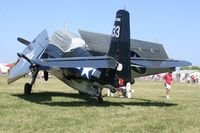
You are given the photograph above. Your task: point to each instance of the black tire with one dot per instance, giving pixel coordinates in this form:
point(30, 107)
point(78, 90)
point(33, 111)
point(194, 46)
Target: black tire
point(113, 90)
point(123, 92)
point(27, 88)
point(133, 81)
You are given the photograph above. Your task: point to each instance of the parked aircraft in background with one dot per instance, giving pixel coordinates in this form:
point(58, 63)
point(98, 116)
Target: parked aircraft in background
point(93, 61)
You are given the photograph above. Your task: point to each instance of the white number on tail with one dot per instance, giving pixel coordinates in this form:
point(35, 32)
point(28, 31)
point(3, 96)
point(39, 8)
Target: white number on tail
point(116, 31)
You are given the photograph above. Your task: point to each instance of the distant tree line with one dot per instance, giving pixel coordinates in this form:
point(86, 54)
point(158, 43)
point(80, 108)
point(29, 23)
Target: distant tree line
point(190, 68)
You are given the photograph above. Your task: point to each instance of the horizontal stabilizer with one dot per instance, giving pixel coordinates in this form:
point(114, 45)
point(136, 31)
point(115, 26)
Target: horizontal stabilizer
point(94, 62)
point(158, 63)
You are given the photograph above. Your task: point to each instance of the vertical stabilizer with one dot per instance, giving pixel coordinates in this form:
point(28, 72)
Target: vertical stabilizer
point(120, 44)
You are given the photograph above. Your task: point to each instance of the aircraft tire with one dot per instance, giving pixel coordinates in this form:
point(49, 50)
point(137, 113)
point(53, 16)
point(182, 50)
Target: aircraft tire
point(27, 88)
point(133, 81)
point(124, 93)
point(113, 90)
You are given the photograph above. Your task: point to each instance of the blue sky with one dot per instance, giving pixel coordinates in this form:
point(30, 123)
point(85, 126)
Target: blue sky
point(175, 24)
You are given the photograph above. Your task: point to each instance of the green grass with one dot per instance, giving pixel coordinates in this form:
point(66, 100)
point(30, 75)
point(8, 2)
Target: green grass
point(54, 107)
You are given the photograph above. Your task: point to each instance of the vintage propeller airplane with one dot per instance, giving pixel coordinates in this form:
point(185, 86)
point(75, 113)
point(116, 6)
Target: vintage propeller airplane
point(93, 61)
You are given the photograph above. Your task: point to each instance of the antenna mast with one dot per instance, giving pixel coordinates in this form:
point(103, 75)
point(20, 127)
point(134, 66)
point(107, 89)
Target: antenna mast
point(124, 5)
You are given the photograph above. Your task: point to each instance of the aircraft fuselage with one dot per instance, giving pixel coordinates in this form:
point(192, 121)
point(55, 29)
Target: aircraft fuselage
point(87, 79)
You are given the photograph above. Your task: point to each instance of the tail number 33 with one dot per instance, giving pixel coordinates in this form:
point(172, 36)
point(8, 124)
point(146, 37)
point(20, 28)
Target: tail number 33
point(116, 31)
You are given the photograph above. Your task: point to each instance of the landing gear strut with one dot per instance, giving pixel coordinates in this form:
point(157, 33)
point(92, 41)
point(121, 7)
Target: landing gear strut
point(28, 86)
point(99, 98)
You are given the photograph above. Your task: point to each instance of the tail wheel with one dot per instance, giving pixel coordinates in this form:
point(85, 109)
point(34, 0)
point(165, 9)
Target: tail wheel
point(27, 88)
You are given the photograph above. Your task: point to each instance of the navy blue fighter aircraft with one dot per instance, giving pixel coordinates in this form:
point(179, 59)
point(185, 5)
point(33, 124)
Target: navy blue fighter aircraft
point(93, 61)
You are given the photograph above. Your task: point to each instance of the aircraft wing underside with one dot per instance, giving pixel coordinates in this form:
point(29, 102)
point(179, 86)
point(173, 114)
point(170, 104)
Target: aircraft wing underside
point(158, 63)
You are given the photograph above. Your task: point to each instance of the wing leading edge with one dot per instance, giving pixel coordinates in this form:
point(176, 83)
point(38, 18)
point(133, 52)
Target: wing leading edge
point(72, 62)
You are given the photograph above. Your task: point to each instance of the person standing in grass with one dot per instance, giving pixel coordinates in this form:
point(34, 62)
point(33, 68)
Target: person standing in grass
point(168, 83)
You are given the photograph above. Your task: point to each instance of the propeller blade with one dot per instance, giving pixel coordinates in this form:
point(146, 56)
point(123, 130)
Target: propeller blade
point(23, 41)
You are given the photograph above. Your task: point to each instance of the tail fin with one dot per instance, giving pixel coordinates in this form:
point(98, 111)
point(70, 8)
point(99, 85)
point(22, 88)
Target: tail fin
point(120, 44)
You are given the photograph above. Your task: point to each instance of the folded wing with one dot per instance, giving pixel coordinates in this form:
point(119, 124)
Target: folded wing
point(158, 63)
point(33, 51)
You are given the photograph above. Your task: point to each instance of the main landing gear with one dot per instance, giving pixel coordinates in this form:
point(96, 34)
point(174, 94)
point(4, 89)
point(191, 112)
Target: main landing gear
point(28, 86)
point(99, 98)
point(97, 91)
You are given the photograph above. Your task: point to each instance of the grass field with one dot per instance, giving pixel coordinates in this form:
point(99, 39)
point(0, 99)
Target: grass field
point(54, 107)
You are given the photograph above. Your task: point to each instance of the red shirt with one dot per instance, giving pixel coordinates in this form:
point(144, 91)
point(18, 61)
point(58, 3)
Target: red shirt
point(168, 78)
point(193, 78)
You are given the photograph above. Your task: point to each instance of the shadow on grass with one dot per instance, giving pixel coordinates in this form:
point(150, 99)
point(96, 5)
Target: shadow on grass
point(77, 100)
